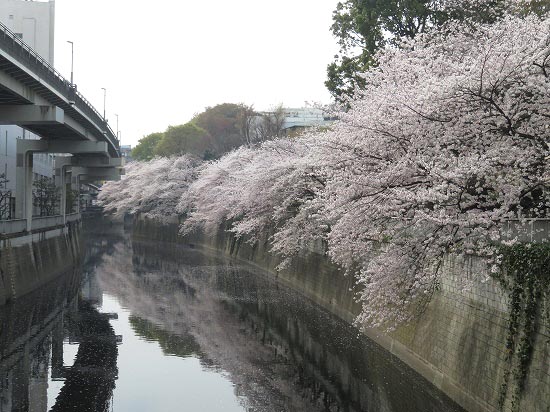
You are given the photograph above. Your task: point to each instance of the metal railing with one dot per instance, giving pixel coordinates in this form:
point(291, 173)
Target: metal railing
point(42, 223)
point(24, 54)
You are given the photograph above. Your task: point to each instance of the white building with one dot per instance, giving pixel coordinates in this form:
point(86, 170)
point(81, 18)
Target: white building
point(300, 118)
point(33, 22)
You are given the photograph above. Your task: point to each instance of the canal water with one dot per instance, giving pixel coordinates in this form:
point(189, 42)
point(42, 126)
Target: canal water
point(151, 326)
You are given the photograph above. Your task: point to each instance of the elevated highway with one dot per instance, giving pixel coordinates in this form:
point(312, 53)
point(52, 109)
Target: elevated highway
point(35, 96)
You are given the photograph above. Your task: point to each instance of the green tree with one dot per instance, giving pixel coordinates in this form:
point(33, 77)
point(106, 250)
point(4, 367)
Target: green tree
point(146, 146)
point(363, 27)
point(186, 138)
point(46, 196)
point(223, 123)
point(73, 196)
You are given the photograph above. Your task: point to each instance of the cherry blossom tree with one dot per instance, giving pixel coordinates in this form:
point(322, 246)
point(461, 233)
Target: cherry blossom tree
point(267, 188)
point(152, 188)
point(448, 140)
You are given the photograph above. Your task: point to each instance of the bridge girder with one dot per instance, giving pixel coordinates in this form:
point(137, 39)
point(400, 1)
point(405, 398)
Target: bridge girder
point(32, 82)
point(49, 122)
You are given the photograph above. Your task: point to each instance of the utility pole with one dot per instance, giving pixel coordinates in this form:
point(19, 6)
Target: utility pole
point(72, 60)
point(104, 101)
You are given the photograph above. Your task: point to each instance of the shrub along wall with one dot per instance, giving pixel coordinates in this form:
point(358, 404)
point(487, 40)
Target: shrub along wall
point(465, 342)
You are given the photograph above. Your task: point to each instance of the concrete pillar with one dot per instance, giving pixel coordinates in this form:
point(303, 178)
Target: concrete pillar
point(64, 195)
point(101, 168)
point(24, 177)
point(78, 189)
point(24, 180)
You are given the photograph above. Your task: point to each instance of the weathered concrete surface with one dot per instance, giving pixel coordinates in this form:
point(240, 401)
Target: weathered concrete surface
point(458, 343)
point(26, 267)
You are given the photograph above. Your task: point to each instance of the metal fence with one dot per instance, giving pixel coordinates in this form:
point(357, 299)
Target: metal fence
point(7, 204)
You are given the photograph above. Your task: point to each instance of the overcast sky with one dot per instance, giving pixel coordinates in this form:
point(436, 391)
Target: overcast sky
point(163, 61)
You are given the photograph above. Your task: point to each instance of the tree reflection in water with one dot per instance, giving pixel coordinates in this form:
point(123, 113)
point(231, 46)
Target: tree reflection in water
point(281, 351)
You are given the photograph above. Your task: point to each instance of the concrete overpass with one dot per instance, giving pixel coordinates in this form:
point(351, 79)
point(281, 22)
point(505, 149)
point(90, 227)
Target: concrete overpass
point(35, 96)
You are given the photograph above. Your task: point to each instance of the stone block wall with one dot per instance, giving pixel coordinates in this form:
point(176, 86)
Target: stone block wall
point(464, 332)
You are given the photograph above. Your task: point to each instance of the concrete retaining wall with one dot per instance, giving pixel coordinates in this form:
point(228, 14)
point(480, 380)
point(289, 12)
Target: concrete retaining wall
point(26, 267)
point(458, 343)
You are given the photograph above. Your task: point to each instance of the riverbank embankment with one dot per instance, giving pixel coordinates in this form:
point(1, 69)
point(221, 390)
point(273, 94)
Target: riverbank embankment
point(28, 266)
point(459, 343)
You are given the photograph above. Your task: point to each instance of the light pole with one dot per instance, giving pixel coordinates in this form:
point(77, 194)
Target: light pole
point(104, 100)
point(72, 60)
point(117, 127)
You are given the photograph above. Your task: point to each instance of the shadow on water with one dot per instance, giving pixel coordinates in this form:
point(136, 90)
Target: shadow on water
point(31, 335)
point(33, 330)
point(89, 383)
point(281, 351)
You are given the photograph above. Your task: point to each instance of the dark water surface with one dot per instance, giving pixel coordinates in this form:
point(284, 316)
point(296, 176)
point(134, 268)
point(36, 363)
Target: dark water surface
point(146, 326)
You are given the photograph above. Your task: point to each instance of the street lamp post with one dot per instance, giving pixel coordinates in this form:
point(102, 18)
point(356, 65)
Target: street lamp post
point(117, 127)
point(104, 101)
point(72, 60)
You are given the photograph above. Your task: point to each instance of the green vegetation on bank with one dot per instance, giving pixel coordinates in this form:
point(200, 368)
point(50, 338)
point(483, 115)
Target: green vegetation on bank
point(525, 277)
point(364, 27)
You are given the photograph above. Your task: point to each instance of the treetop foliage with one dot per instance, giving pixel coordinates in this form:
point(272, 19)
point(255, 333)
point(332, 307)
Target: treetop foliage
point(365, 27)
point(222, 122)
point(214, 132)
point(146, 147)
point(184, 139)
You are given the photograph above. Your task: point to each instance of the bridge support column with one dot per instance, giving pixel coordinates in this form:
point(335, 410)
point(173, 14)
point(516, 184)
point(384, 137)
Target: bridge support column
point(24, 177)
point(24, 180)
point(61, 180)
point(24, 173)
